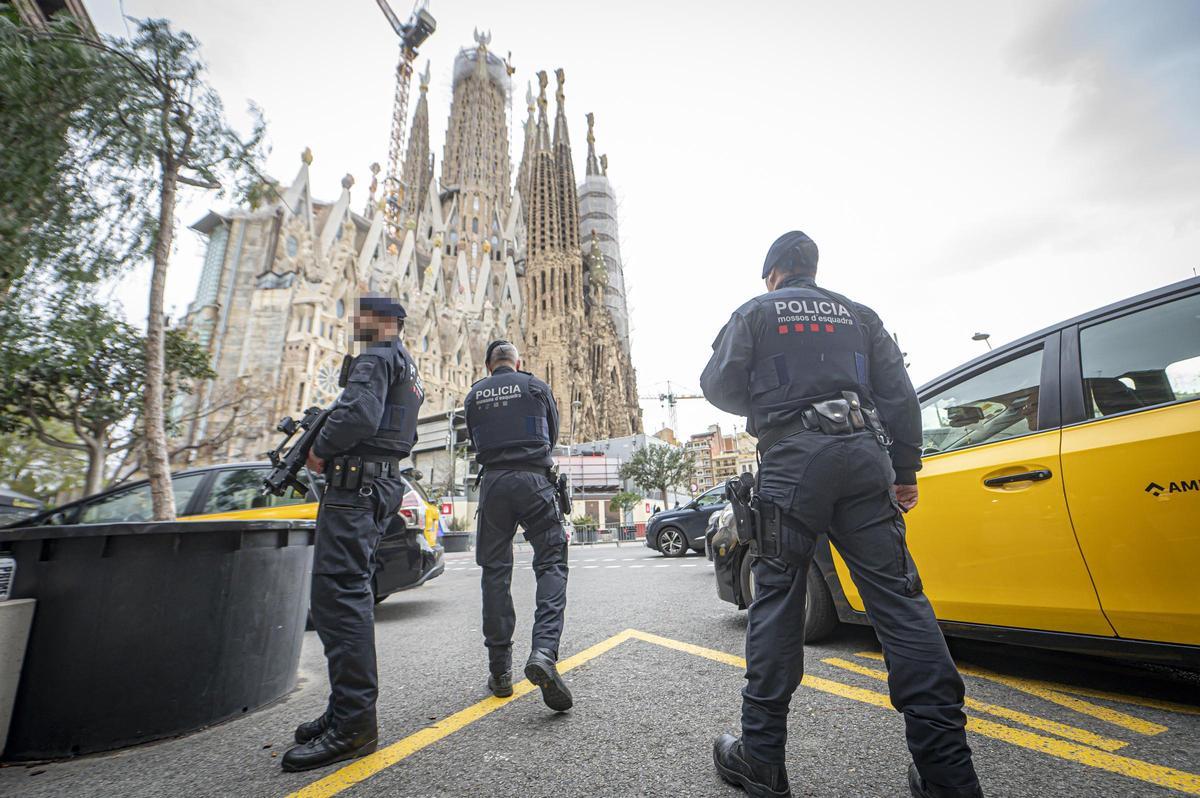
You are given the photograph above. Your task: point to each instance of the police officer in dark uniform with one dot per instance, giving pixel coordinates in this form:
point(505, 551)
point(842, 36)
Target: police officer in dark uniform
point(822, 385)
point(371, 427)
point(513, 422)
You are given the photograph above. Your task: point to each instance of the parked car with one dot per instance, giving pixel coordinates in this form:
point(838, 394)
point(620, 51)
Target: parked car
point(675, 532)
point(1060, 494)
point(408, 555)
point(15, 507)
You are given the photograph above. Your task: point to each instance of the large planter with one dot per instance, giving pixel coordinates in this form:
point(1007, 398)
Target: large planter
point(149, 630)
point(456, 541)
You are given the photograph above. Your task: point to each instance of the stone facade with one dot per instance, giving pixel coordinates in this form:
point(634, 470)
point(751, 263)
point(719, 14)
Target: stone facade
point(478, 259)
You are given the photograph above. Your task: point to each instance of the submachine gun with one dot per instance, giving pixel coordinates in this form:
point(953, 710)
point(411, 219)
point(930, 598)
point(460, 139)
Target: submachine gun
point(287, 464)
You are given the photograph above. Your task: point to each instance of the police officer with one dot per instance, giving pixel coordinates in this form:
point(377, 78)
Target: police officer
point(371, 427)
point(513, 422)
point(815, 374)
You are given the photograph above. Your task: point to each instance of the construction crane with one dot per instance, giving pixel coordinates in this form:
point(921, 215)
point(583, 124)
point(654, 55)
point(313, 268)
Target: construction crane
point(671, 400)
point(420, 26)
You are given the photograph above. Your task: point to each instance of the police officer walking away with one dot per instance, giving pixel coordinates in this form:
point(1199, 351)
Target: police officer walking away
point(815, 374)
point(513, 422)
point(370, 428)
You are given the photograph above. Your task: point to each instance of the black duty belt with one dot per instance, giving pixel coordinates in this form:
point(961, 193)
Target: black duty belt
point(352, 471)
point(843, 415)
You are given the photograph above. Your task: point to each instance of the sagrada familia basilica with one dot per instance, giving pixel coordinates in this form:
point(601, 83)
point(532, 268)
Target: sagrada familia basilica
point(477, 255)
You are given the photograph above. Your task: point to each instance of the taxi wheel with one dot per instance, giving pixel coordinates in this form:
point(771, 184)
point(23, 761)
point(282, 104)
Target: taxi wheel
point(672, 543)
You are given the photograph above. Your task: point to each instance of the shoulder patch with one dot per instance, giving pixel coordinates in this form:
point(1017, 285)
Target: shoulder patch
point(364, 367)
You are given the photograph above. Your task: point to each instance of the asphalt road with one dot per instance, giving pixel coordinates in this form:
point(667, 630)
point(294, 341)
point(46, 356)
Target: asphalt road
point(649, 702)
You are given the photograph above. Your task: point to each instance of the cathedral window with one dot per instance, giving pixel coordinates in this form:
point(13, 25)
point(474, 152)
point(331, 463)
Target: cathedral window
point(341, 308)
point(475, 225)
point(425, 343)
point(475, 205)
point(474, 250)
point(293, 246)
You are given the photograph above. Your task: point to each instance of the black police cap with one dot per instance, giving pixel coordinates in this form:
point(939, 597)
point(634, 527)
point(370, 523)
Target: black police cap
point(794, 252)
point(381, 306)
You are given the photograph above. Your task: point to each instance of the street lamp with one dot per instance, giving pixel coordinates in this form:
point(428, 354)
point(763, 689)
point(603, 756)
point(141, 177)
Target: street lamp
point(981, 336)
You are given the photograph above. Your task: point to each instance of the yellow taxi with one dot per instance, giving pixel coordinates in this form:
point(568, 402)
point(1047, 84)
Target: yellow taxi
point(409, 553)
point(237, 496)
point(1060, 493)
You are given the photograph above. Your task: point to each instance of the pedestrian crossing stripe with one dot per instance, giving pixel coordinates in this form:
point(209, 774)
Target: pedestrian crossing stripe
point(1069, 749)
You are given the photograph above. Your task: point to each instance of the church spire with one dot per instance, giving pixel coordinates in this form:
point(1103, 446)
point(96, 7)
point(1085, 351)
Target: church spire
point(418, 170)
point(593, 166)
point(523, 172)
point(568, 197)
point(544, 221)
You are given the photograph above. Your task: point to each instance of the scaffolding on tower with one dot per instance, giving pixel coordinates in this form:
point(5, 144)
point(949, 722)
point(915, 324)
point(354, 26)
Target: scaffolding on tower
point(420, 26)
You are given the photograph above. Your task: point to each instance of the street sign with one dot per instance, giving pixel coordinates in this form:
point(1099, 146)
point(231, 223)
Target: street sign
point(695, 487)
point(447, 508)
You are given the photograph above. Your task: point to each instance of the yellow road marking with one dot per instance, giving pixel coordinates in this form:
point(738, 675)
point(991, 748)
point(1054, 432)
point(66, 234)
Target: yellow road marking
point(1055, 693)
point(362, 769)
point(1073, 752)
point(1032, 721)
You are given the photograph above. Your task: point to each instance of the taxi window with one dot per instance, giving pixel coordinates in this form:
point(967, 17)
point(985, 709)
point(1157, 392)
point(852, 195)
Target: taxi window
point(241, 489)
point(1144, 359)
point(135, 504)
point(127, 505)
point(996, 405)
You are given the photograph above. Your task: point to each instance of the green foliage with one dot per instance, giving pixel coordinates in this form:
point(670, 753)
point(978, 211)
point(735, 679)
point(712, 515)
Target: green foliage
point(659, 468)
point(583, 520)
point(50, 473)
point(625, 500)
point(65, 210)
point(77, 367)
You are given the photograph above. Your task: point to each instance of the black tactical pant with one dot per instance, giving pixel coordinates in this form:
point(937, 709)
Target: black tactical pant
point(509, 498)
point(349, 525)
point(841, 484)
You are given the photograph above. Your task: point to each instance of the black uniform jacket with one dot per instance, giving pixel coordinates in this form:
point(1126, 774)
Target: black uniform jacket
point(727, 377)
point(356, 418)
point(535, 454)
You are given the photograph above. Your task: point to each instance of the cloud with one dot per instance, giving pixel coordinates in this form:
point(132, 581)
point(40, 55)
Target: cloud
point(1133, 70)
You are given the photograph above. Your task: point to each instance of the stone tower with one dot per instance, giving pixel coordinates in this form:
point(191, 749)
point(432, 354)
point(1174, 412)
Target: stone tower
point(570, 336)
point(418, 161)
point(475, 163)
point(598, 215)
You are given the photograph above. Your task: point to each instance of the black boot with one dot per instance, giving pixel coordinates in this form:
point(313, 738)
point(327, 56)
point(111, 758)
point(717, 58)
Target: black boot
point(332, 746)
point(501, 684)
point(923, 789)
point(541, 670)
point(311, 730)
point(740, 769)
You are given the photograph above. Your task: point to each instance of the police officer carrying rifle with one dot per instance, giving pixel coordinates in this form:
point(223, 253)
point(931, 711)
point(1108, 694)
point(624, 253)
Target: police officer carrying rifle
point(822, 384)
point(513, 422)
point(370, 428)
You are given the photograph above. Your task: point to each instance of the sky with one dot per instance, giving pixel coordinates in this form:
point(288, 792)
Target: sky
point(963, 166)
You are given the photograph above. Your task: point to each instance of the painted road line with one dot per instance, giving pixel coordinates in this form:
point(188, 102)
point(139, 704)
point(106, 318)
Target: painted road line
point(1055, 694)
point(1160, 775)
point(1032, 721)
point(363, 769)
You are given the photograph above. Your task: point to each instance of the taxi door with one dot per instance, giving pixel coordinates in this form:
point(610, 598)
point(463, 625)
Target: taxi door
point(1131, 463)
point(991, 535)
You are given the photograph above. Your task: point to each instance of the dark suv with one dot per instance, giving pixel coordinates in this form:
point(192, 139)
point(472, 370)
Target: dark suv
point(673, 532)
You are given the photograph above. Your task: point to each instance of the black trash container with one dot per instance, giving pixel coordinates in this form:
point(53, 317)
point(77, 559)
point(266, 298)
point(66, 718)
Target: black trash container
point(149, 630)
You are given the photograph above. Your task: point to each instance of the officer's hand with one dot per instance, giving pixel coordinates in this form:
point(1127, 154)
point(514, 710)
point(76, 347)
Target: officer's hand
point(315, 464)
point(906, 496)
